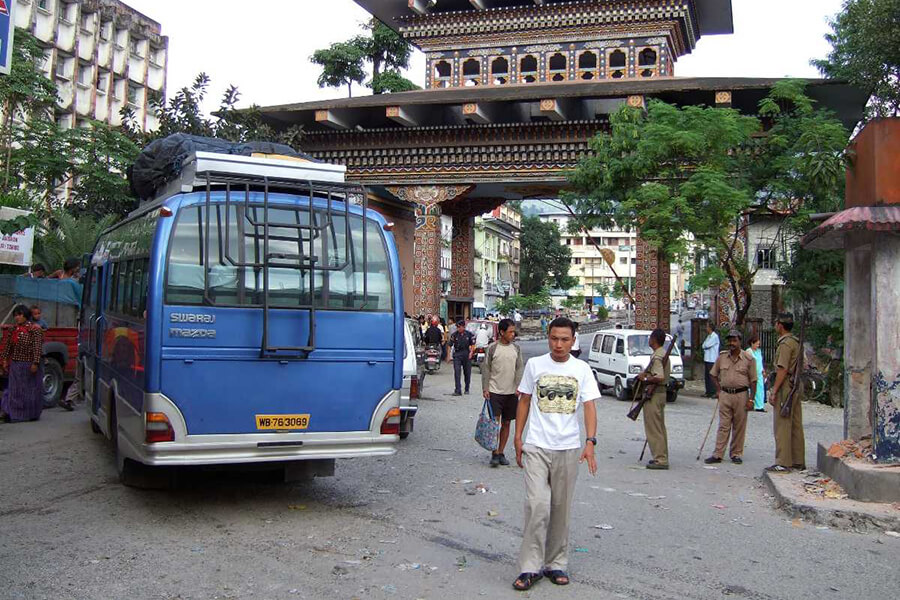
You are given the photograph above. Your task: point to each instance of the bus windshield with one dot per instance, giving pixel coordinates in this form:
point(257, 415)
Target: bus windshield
point(224, 266)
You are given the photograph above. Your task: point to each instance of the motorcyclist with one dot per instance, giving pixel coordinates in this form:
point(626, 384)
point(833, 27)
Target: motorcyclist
point(483, 337)
point(434, 335)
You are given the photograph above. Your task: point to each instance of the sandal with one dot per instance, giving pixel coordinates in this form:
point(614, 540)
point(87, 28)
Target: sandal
point(777, 469)
point(557, 577)
point(526, 580)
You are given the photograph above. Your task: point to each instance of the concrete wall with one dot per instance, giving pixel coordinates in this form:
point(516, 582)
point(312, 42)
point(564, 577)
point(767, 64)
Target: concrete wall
point(885, 325)
point(858, 339)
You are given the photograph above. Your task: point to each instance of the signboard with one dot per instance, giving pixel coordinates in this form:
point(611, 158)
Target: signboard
point(15, 248)
point(7, 28)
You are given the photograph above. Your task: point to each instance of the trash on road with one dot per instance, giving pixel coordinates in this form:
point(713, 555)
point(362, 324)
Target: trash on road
point(493, 513)
point(604, 526)
point(824, 487)
point(409, 566)
point(719, 506)
point(711, 468)
point(582, 550)
point(461, 562)
point(892, 534)
point(339, 570)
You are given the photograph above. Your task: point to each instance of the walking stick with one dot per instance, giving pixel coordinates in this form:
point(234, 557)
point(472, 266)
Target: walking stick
point(641, 459)
point(708, 429)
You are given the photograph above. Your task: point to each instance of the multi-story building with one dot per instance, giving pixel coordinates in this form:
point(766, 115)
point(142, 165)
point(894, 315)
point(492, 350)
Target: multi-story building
point(497, 255)
point(595, 276)
point(102, 54)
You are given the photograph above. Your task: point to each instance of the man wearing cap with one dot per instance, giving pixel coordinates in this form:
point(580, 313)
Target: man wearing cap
point(463, 343)
point(734, 375)
point(790, 445)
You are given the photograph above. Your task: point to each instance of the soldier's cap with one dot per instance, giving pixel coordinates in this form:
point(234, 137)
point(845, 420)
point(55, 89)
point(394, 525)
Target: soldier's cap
point(461, 323)
point(785, 318)
point(734, 333)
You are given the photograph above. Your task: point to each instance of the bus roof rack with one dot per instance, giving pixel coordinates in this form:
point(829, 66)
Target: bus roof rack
point(283, 168)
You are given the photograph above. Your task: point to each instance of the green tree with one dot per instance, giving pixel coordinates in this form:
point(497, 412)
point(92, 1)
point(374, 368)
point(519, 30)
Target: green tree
point(100, 157)
point(388, 54)
point(865, 42)
point(342, 64)
point(545, 260)
point(64, 236)
point(671, 171)
point(574, 302)
point(183, 113)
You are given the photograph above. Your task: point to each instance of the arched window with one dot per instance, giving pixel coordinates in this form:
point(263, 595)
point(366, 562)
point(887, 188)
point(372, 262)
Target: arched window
point(499, 71)
point(617, 59)
point(618, 64)
point(528, 69)
point(647, 57)
point(472, 72)
point(587, 66)
point(443, 72)
point(557, 69)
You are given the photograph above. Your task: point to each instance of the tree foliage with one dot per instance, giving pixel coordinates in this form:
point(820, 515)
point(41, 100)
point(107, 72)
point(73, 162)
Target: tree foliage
point(672, 171)
point(865, 42)
point(343, 64)
point(545, 260)
point(183, 113)
point(64, 236)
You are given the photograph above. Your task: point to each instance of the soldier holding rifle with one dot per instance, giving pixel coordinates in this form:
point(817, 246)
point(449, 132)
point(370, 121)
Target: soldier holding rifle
point(657, 374)
point(790, 445)
point(734, 376)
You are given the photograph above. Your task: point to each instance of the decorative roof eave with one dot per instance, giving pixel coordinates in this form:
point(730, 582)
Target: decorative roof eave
point(832, 233)
point(429, 30)
point(840, 97)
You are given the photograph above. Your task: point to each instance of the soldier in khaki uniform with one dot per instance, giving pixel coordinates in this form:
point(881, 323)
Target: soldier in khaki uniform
point(735, 376)
point(655, 409)
point(790, 445)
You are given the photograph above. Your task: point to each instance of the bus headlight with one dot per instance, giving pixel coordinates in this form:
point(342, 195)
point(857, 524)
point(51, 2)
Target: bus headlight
point(678, 369)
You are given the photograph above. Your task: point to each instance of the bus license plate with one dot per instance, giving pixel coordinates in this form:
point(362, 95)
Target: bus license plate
point(281, 422)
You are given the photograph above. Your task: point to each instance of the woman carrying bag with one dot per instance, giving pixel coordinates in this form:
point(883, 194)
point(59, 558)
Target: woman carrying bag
point(22, 359)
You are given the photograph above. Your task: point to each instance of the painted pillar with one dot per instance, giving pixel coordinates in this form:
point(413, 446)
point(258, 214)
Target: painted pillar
point(652, 289)
point(885, 286)
point(858, 340)
point(462, 279)
point(426, 201)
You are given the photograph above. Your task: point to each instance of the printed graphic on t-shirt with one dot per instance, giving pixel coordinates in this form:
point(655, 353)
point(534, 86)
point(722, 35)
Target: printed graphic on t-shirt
point(557, 394)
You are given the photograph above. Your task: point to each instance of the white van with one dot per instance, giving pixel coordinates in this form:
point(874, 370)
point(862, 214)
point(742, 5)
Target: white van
point(618, 356)
point(413, 376)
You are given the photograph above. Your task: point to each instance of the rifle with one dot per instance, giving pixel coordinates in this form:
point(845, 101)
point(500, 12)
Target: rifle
point(643, 392)
point(796, 379)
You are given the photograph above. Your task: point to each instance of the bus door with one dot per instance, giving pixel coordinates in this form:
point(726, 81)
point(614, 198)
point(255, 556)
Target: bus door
point(96, 322)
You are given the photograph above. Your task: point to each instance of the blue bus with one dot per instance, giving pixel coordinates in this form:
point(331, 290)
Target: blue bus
point(252, 313)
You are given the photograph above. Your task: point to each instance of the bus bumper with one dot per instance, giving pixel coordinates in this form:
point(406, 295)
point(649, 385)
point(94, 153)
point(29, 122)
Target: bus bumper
point(256, 448)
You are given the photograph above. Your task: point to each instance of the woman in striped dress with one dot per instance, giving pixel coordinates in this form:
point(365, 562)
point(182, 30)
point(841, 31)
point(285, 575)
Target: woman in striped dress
point(22, 358)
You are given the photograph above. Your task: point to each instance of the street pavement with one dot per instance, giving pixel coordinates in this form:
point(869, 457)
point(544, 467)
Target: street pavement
point(433, 521)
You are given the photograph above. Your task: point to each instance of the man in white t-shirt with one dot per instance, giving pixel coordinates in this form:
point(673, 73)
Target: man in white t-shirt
point(552, 388)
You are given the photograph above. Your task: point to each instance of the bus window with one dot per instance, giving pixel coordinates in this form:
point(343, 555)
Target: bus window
point(340, 287)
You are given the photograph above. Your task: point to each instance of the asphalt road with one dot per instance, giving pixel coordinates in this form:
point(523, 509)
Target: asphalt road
point(417, 525)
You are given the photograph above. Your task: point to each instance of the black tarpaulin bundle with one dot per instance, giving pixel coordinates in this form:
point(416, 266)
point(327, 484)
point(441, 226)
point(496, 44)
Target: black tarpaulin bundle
point(161, 161)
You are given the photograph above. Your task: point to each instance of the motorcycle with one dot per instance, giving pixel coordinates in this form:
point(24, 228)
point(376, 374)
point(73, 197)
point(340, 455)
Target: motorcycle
point(433, 358)
point(478, 358)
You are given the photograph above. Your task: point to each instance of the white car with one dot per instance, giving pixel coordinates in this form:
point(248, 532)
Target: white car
point(618, 356)
point(413, 376)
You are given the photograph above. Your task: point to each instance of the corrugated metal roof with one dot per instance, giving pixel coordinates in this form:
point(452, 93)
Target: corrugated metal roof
point(830, 234)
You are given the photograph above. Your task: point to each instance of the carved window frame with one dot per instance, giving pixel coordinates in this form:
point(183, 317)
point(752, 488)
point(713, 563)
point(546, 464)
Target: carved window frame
point(579, 71)
point(440, 81)
point(537, 69)
point(478, 78)
point(509, 68)
point(652, 69)
point(552, 73)
point(610, 69)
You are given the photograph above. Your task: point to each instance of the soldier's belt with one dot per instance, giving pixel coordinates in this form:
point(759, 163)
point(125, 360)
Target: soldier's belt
point(735, 390)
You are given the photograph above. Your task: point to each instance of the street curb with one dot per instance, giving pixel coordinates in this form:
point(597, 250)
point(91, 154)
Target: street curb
point(849, 515)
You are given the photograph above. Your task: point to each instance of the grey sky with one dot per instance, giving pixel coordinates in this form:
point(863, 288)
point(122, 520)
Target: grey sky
point(265, 49)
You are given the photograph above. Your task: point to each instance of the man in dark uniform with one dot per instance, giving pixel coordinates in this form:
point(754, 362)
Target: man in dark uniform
point(734, 375)
point(790, 445)
point(462, 343)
